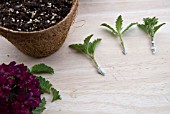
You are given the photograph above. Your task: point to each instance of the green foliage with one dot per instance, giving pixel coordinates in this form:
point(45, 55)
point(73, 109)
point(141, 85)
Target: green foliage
point(150, 26)
point(142, 26)
point(119, 30)
point(109, 27)
point(41, 68)
point(56, 95)
point(92, 46)
point(119, 23)
point(41, 107)
point(45, 85)
point(87, 47)
point(156, 28)
point(119, 26)
point(128, 27)
point(87, 39)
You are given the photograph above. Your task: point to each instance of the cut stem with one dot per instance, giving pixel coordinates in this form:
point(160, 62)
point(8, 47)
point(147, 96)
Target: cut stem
point(99, 69)
point(122, 44)
point(153, 48)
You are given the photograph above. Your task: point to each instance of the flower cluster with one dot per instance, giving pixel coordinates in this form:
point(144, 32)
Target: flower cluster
point(19, 90)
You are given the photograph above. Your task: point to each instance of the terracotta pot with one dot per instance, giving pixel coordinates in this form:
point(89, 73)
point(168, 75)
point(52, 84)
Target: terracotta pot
point(44, 42)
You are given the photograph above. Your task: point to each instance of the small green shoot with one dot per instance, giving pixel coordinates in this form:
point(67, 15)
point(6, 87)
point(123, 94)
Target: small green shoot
point(119, 31)
point(88, 49)
point(150, 27)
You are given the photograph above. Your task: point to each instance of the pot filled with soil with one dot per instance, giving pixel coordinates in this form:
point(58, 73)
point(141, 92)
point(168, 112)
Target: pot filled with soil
point(38, 28)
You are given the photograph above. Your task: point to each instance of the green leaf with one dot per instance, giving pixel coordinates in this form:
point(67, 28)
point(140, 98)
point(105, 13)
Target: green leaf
point(119, 23)
point(56, 95)
point(157, 27)
point(79, 47)
point(86, 41)
point(109, 27)
point(45, 85)
point(88, 47)
point(142, 26)
point(128, 27)
point(151, 21)
point(41, 68)
point(92, 46)
point(149, 26)
point(41, 107)
point(155, 21)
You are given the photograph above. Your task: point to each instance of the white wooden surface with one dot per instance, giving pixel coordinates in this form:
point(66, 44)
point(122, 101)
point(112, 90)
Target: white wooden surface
point(138, 83)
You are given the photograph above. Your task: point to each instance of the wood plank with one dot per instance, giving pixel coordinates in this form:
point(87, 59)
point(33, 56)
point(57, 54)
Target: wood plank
point(138, 83)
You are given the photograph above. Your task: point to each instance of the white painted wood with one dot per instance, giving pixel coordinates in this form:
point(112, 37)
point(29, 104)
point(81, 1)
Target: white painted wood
point(138, 83)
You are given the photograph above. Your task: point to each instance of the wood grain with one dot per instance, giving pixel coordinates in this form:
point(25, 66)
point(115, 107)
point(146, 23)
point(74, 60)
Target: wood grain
point(138, 83)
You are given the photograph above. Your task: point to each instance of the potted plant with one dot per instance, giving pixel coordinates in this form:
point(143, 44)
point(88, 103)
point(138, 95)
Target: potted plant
point(42, 39)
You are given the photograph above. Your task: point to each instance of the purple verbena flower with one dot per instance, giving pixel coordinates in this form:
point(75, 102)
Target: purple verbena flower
point(19, 89)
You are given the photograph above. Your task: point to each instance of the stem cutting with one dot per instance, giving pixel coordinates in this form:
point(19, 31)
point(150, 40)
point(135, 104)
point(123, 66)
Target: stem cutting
point(88, 49)
point(150, 27)
point(119, 31)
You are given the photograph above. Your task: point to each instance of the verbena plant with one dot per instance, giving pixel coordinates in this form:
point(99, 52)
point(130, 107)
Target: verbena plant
point(150, 27)
point(88, 49)
point(119, 31)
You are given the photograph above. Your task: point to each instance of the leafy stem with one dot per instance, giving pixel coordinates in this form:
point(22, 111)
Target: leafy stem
point(119, 32)
point(150, 27)
point(88, 49)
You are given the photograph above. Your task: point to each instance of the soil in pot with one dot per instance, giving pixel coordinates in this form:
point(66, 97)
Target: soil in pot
point(32, 15)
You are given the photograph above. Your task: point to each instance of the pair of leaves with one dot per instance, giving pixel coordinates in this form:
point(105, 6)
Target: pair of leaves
point(87, 47)
point(119, 27)
point(45, 86)
point(150, 26)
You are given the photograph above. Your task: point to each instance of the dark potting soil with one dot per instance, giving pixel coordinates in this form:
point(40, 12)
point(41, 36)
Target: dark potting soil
point(32, 15)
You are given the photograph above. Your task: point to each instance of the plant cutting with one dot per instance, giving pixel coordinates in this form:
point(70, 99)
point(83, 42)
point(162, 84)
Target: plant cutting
point(88, 49)
point(119, 31)
point(20, 90)
point(37, 27)
point(150, 27)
